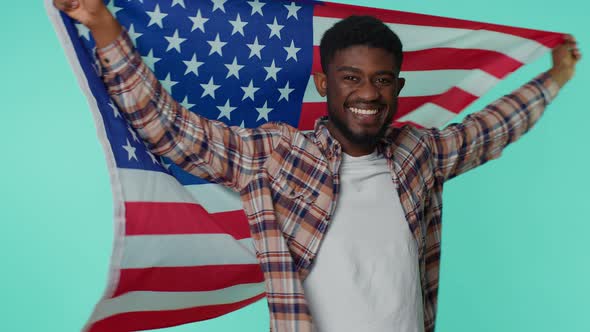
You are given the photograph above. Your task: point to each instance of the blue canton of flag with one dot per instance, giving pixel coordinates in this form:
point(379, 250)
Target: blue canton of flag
point(241, 62)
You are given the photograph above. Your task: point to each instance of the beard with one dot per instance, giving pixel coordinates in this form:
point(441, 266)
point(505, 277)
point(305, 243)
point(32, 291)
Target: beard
point(358, 138)
point(362, 138)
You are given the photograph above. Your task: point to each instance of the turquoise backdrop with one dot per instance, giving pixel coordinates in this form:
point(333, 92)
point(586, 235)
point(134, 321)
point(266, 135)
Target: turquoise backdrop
point(515, 252)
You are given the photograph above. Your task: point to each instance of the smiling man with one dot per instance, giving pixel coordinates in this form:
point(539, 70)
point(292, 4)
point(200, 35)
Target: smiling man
point(345, 219)
point(361, 59)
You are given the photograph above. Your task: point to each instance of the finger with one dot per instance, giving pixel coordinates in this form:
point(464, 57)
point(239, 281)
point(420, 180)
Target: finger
point(564, 49)
point(73, 4)
point(569, 46)
point(570, 43)
point(66, 5)
point(576, 54)
point(574, 50)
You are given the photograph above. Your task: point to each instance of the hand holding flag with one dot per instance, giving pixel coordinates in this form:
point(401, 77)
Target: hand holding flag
point(95, 15)
point(565, 57)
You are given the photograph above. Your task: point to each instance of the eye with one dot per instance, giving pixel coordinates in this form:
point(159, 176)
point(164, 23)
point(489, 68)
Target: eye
point(350, 78)
point(384, 81)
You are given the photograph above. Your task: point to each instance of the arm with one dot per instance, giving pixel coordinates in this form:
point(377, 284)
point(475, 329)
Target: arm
point(209, 149)
point(482, 136)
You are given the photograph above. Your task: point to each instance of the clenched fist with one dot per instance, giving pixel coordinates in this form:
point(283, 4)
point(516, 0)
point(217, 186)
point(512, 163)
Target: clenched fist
point(95, 16)
point(565, 57)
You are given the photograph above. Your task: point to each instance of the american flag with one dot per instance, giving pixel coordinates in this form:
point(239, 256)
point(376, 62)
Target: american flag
point(182, 250)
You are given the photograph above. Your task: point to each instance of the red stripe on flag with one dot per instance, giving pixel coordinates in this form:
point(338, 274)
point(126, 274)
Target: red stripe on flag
point(147, 320)
point(187, 278)
point(335, 10)
point(316, 64)
point(147, 218)
point(454, 100)
point(494, 63)
point(309, 113)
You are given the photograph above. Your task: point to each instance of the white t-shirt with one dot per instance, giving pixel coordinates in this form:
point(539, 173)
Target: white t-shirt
point(366, 275)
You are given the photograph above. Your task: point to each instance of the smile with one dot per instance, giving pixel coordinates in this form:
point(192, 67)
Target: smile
point(363, 111)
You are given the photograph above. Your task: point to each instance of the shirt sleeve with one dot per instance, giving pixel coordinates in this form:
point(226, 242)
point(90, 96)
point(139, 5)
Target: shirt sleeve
point(483, 135)
point(206, 148)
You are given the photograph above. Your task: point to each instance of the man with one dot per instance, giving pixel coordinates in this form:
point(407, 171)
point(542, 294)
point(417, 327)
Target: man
point(302, 190)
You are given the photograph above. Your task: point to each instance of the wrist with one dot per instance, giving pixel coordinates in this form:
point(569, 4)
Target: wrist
point(104, 28)
point(559, 76)
point(99, 20)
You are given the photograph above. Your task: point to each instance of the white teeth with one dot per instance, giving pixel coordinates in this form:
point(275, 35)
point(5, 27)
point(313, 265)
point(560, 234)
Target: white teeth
point(362, 111)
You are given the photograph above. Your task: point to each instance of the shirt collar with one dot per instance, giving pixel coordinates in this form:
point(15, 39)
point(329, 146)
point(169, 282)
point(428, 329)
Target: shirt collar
point(328, 143)
point(333, 148)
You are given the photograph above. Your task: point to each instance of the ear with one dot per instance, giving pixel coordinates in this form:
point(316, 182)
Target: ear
point(401, 82)
point(321, 83)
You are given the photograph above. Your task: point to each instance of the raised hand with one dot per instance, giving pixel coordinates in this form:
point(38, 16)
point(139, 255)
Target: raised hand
point(565, 57)
point(94, 15)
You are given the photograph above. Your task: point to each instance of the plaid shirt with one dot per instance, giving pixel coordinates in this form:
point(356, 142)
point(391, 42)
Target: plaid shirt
point(289, 182)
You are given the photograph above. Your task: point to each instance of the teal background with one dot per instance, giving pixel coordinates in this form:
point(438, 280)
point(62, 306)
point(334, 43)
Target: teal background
point(515, 236)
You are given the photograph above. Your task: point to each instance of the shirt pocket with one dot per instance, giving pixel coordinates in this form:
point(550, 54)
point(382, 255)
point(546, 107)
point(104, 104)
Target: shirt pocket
point(294, 183)
point(298, 174)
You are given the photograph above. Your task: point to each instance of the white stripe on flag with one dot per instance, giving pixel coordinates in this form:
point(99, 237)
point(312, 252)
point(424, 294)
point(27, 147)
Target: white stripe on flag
point(434, 82)
point(143, 251)
point(158, 301)
point(429, 115)
point(215, 197)
point(419, 37)
point(311, 95)
point(151, 186)
point(475, 81)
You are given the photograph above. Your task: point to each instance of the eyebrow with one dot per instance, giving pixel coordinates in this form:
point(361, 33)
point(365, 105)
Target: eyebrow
point(348, 68)
point(386, 72)
point(356, 70)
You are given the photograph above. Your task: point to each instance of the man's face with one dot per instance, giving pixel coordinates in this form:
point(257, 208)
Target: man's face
point(361, 87)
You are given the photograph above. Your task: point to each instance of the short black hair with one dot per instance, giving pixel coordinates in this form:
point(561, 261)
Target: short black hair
point(359, 30)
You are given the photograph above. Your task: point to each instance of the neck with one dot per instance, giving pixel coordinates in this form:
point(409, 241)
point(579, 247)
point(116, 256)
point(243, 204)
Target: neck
point(357, 150)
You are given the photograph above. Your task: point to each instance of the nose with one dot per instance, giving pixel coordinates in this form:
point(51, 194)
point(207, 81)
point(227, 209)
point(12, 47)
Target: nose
point(368, 91)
